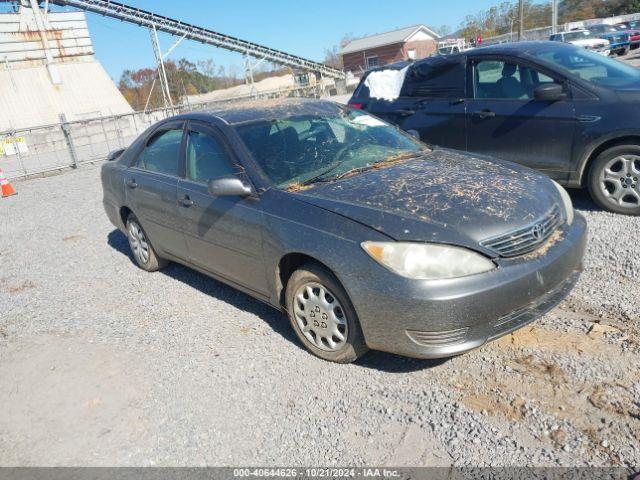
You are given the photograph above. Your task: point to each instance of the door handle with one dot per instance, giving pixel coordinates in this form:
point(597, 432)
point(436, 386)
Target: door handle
point(588, 118)
point(185, 201)
point(131, 183)
point(405, 112)
point(484, 113)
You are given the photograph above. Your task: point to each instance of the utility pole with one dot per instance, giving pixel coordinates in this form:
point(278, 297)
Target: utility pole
point(521, 20)
point(554, 16)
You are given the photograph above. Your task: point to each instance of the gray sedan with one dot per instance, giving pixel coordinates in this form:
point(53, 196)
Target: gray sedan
point(364, 236)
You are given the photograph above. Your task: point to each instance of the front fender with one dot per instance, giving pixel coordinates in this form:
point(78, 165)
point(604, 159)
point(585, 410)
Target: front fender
point(293, 226)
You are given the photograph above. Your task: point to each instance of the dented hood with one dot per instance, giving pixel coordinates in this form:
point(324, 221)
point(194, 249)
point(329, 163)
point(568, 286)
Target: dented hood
point(443, 196)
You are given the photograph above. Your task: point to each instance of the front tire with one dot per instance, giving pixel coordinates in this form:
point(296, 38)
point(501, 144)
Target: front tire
point(322, 315)
point(143, 253)
point(614, 180)
point(623, 52)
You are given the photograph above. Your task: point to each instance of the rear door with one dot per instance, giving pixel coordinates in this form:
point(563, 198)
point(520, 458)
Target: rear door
point(223, 234)
point(504, 119)
point(431, 102)
point(151, 185)
point(434, 93)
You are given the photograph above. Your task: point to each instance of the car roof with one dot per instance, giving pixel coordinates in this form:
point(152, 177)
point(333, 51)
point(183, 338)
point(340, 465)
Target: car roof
point(248, 111)
point(514, 48)
point(521, 48)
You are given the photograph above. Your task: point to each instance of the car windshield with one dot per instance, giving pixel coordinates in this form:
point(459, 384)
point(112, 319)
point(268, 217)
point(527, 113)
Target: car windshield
point(571, 36)
point(592, 67)
point(309, 148)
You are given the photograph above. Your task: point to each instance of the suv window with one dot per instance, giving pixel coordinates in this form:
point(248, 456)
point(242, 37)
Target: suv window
point(435, 80)
point(162, 151)
point(207, 159)
point(498, 79)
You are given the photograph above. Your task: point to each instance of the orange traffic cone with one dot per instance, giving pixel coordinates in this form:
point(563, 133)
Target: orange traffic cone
point(7, 188)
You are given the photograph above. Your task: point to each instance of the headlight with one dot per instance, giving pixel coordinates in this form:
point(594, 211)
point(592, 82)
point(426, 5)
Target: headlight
point(427, 261)
point(568, 204)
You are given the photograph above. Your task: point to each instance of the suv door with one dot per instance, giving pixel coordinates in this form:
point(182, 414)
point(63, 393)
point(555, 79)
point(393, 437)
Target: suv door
point(223, 234)
point(151, 186)
point(505, 120)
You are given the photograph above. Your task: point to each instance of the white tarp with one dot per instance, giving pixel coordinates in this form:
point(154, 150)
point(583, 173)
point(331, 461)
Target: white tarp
point(386, 84)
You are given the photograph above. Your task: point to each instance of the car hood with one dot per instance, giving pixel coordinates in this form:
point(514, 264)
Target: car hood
point(443, 196)
point(590, 42)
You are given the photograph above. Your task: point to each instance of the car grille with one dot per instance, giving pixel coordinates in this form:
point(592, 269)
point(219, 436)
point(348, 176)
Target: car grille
point(618, 39)
point(527, 239)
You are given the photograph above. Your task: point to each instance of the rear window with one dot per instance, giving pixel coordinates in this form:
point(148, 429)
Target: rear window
point(436, 80)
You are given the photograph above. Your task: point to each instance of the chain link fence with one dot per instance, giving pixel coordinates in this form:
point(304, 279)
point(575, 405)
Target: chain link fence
point(38, 150)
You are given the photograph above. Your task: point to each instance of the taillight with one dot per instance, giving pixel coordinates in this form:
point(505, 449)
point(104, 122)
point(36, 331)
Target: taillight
point(357, 106)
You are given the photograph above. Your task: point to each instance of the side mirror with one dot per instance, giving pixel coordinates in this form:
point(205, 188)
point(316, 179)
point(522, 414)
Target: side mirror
point(228, 187)
point(551, 92)
point(115, 154)
point(414, 134)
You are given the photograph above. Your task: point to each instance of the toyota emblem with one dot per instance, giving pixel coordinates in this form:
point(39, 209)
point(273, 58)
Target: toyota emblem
point(537, 231)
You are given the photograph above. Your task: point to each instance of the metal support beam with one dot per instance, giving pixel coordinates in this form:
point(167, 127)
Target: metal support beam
point(172, 47)
point(54, 74)
point(248, 72)
point(66, 129)
point(147, 19)
point(162, 73)
point(554, 16)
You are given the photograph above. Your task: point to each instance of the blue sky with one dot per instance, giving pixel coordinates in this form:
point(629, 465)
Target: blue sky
point(301, 27)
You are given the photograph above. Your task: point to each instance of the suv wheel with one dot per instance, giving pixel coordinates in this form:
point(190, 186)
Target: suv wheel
point(322, 315)
point(143, 253)
point(624, 51)
point(614, 179)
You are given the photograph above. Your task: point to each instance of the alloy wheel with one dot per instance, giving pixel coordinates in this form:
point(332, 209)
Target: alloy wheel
point(619, 181)
point(320, 317)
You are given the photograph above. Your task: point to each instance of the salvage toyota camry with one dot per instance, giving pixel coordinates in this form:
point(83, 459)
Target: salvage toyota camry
point(364, 236)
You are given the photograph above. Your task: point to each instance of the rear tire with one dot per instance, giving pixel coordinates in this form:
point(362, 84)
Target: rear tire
point(322, 315)
point(143, 252)
point(614, 180)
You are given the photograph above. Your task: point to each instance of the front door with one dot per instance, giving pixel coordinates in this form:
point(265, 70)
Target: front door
point(151, 186)
point(504, 119)
point(223, 234)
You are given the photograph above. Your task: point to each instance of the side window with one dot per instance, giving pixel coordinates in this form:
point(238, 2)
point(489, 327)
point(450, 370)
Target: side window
point(435, 80)
point(206, 158)
point(161, 153)
point(497, 79)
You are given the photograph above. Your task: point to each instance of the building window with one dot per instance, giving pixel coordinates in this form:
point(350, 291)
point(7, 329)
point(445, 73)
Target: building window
point(373, 62)
point(411, 54)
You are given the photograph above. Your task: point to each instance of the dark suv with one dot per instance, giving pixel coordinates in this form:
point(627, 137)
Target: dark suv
point(619, 39)
point(565, 111)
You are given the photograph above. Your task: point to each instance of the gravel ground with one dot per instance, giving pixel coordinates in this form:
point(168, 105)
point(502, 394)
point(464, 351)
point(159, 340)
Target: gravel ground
point(103, 364)
point(633, 58)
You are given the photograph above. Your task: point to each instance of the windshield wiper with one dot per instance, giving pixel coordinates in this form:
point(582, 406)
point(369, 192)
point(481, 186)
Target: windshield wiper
point(381, 164)
point(318, 178)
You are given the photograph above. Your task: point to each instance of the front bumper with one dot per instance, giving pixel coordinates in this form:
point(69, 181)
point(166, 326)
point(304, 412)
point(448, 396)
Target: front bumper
point(434, 319)
point(619, 47)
